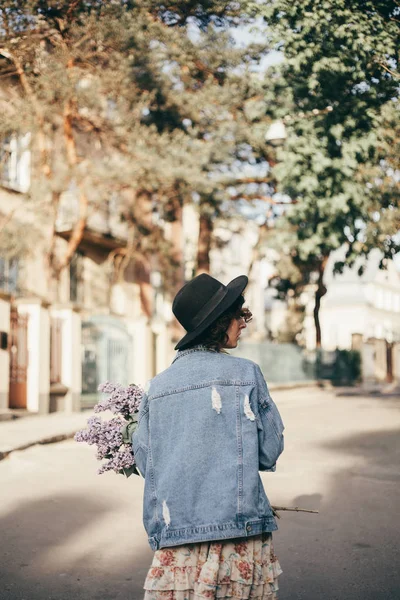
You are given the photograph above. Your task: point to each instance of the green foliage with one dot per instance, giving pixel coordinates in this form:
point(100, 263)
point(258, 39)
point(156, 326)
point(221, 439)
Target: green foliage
point(339, 53)
point(381, 181)
point(347, 367)
point(342, 367)
point(340, 76)
point(344, 56)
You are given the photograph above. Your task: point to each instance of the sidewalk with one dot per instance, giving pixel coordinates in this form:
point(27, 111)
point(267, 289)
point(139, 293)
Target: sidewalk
point(24, 432)
point(31, 429)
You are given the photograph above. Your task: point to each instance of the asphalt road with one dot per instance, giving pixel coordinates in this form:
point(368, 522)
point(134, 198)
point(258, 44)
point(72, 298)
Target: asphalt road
point(68, 534)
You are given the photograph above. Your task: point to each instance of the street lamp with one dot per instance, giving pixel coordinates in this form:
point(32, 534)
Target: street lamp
point(276, 134)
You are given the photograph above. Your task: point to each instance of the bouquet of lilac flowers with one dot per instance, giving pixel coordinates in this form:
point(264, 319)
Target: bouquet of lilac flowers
point(112, 437)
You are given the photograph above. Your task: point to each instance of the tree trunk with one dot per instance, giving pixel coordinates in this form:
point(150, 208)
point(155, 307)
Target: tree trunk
point(146, 298)
point(52, 283)
point(142, 218)
point(320, 292)
point(204, 244)
point(177, 277)
point(177, 246)
point(79, 227)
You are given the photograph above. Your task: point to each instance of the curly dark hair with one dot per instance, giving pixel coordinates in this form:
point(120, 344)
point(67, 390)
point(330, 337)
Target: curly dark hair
point(215, 337)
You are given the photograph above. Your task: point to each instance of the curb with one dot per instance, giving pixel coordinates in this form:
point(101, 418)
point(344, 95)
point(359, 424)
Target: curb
point(293, 385)
point(65, 436)
point(47, 440)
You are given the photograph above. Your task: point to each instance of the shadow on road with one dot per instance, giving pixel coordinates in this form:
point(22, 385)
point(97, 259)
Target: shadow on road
point(350, 550)
point(87, 546)
point(37, 554)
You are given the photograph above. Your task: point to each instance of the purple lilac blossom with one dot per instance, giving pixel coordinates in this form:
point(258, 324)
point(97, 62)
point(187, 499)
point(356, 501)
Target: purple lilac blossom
point(107, 436)
point(124, 401)
point(123, 459)
point(110, 437)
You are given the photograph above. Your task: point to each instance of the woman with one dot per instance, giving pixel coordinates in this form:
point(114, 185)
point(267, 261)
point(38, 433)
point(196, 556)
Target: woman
point(207, 425)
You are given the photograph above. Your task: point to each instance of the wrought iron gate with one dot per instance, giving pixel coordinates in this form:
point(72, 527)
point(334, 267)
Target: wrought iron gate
point(18, 359)
point(106, 355)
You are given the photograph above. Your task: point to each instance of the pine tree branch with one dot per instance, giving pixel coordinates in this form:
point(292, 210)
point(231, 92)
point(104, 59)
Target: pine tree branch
point(35, 104)
point(24, 81)
point(69, 136)
point(50, 256)
point(82, 40)
point(88, 122)
point(72, 6)
point(8, 74)
point(268, 199)
point(392, 73)
point(127, 253)
point(244, 180)
point(204, 243)
point(72, 158)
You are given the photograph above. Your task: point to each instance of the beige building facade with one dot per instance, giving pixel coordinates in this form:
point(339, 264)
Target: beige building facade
point(58, 344)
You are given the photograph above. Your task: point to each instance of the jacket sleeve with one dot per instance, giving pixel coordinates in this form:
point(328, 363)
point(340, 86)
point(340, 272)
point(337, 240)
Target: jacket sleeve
point(140, 438)
point(270, 426)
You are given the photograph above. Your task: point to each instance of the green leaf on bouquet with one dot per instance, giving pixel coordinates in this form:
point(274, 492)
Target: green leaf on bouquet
point(127, 431)
point(130, 471)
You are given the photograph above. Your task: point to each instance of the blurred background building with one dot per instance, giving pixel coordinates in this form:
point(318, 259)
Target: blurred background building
point(130, 162)
point(54, 353)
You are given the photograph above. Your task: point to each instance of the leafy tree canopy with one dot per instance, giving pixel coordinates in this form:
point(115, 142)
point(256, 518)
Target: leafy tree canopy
point(336, 91)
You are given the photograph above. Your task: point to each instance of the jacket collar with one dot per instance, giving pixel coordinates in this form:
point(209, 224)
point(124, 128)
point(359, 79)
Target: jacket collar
point(198, 348)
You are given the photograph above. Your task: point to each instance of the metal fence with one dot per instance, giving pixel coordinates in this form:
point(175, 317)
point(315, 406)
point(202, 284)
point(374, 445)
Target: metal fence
point(106, 355)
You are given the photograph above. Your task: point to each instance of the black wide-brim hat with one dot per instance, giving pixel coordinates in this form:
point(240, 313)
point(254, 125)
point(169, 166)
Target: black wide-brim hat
point(202, 301)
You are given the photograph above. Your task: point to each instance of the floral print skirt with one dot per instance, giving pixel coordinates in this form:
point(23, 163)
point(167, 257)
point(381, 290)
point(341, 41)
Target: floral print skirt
point(232, 569)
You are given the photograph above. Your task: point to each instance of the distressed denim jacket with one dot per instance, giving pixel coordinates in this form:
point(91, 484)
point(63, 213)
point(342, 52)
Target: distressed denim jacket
point(207, 425)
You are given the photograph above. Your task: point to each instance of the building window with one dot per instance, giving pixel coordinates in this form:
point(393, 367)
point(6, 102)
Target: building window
point(15, 162)
point(76, 278)
point(9, 275)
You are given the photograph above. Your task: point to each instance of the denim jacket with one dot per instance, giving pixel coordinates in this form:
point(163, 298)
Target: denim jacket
point(207, 425)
